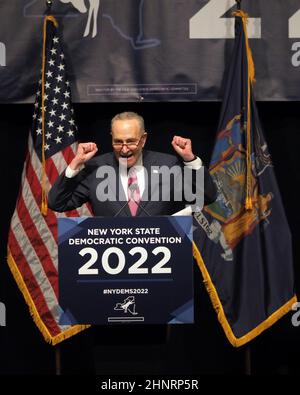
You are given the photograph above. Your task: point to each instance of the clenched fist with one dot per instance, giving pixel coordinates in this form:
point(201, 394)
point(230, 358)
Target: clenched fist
point(85, 152)
point(183, 147)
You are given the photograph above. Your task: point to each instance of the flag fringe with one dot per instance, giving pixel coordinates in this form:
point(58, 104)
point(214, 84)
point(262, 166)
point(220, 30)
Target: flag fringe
point(33, 311)
point(236, 342)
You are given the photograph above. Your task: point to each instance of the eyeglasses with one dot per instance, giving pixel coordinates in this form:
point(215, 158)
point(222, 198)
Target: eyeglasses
point(131, 145)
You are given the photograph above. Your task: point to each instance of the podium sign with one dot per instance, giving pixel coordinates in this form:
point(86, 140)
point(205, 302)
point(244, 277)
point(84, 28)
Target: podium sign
point(126, 270)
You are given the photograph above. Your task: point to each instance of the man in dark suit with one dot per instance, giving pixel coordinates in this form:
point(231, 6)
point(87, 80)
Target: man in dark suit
point(132, 188)
point(127, 182)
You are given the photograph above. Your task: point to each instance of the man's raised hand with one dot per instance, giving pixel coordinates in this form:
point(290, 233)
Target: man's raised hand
point(183, 147)
point(85, 152)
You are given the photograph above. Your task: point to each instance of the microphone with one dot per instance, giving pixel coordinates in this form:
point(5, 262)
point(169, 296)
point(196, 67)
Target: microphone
point(121, 209)
point(132, 188)
point(126, 203)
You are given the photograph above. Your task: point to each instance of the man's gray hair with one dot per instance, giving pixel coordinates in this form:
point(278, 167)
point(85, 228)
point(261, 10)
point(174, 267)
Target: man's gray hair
point(127, 116)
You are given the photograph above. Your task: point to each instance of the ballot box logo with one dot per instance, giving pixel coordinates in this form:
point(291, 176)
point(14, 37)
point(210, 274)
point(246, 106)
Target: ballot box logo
point(125, 311)
point(91, 9)
point(128, 306)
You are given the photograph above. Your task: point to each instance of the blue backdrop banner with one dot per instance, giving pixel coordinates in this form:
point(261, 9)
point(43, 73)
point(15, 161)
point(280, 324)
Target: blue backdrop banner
point(152, 50)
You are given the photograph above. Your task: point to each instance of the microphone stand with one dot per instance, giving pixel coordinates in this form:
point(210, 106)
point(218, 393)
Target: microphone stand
point(132, 188)
point(124, 205)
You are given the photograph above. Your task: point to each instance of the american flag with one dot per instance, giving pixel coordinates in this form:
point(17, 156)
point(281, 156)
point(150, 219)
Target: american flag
point(32, 243)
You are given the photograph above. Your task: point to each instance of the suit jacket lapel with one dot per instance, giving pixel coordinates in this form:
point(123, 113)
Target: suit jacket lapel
point(116, 185)
point(146, 196)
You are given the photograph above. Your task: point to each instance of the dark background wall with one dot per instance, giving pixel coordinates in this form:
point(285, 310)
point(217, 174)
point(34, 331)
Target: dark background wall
point(188, 349)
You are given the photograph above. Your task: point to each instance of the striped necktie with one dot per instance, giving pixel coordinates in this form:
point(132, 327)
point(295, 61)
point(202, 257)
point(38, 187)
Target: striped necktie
point(133, 191)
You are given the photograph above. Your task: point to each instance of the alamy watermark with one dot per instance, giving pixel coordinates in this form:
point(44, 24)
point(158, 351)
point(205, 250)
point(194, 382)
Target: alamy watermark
point(2, 54)
point(296, 316)
point(2, 314)
point(161, 183)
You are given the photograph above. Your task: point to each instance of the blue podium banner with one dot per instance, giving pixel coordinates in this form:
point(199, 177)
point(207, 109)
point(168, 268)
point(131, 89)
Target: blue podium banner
point(126, 270)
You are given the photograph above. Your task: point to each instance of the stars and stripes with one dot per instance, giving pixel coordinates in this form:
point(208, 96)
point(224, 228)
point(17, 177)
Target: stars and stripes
point(58, 113)
point(32, 245)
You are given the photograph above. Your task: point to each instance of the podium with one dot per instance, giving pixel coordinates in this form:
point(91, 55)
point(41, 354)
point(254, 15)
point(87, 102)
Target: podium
point(135, 270)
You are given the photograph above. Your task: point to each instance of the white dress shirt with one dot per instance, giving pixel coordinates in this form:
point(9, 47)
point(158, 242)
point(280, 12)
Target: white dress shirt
point(140, 173)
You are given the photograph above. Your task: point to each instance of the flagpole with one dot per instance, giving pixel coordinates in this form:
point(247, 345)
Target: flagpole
point(57, 361)
point(57, 348)
point(247, 349)
point(48, 7)
point(248, 361)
